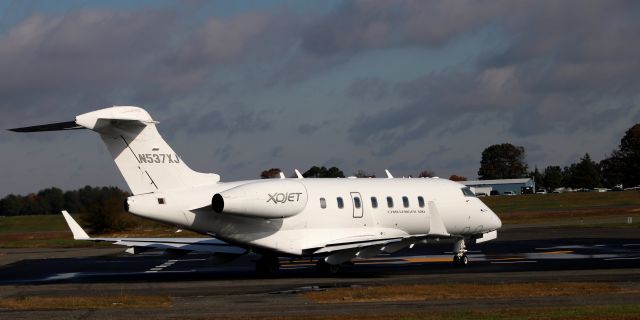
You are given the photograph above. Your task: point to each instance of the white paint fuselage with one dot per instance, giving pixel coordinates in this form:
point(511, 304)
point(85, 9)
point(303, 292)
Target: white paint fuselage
point(312, 227)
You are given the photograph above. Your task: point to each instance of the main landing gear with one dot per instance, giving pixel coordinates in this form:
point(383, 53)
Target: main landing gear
point(267, 265)
point(460, 253)
point(322, 267)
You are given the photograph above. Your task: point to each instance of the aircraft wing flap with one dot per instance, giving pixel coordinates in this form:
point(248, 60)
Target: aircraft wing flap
point(360, 244)
point(347, 245)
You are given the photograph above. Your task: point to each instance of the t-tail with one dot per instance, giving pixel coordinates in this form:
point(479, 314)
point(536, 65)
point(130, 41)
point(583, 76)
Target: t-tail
point(145, 160)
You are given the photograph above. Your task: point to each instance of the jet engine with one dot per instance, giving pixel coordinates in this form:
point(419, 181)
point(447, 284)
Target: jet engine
point(270, 199)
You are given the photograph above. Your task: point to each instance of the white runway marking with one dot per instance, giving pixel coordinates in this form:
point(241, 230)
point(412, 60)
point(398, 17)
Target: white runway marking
point(161, 267)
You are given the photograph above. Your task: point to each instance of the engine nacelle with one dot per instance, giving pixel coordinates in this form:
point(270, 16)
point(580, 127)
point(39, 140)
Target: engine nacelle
point(269, 199)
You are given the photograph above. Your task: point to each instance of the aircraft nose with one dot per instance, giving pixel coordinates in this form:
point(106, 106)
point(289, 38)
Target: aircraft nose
point(496, 223)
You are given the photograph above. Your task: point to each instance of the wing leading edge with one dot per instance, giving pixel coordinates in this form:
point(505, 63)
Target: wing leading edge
point(208, 245)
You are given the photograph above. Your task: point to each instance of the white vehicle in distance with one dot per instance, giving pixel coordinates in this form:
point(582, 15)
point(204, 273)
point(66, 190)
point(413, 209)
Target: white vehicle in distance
point(509, 193)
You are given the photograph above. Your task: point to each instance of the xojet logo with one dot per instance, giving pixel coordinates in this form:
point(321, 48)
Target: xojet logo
point(280, 197)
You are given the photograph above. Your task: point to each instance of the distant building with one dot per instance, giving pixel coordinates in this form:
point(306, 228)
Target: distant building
point(514, 185)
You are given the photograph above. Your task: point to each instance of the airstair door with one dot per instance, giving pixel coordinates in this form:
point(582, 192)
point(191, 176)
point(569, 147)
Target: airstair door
point(356, 200)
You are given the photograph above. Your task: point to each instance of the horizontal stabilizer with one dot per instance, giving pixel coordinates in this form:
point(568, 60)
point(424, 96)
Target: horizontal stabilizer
point(69, 125)
point(209, 245)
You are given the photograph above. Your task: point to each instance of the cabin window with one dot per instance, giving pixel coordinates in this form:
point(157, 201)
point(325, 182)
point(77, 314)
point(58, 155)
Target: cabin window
point(374, 202)
point(421, 202)
point(389, 202)
point(323, 203)
point(467, 192)
point(405, 202)
point(356, 202)
point(340, 203)
point(161, 201)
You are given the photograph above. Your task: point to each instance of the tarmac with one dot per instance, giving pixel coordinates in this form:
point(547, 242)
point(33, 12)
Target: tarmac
point(200, 289)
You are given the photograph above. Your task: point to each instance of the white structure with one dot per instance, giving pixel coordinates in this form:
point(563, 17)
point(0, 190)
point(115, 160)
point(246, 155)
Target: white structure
point(501, 185)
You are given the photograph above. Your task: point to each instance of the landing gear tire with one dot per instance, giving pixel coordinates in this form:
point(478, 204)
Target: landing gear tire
point(460, 258)
point(460, 261)
point(267, 265)
point(322, 267)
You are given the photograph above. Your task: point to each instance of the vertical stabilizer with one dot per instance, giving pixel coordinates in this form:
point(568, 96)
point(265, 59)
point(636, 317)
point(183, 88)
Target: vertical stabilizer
point(145, 160)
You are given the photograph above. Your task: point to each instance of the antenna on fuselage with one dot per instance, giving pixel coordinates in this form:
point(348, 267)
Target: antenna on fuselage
point(298, 174)
point(389, 176)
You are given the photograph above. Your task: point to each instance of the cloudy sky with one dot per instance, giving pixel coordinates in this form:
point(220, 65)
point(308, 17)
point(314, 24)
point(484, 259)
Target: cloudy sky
point(243, 86)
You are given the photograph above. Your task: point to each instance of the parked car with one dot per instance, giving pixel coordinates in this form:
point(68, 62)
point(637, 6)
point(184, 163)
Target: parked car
point(494, 193)
point(541, 191)
point(509, 193)
point(481, 194)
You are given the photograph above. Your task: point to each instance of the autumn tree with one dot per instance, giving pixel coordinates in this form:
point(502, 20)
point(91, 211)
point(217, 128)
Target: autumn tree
point(502, 161)
point(271, 173)
point(455, 177)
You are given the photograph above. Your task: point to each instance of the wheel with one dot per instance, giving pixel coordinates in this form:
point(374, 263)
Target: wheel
point(460, 261)
point(464, 260)
point(323, 267)
point(267, 265)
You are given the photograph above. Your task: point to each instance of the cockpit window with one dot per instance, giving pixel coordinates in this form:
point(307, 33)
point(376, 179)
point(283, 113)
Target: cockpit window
point(467, 192)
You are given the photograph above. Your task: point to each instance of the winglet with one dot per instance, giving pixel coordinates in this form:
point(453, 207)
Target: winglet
point(76, 229)
point(389, 176)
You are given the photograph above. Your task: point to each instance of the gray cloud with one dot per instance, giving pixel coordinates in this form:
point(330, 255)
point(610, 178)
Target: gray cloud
point(368, 87)
point(309, 129)
point(567, 66)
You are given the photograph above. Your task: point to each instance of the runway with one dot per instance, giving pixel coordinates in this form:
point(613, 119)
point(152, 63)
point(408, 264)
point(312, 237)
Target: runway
point(199, 288)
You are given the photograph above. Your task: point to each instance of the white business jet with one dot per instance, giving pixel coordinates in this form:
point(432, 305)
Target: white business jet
point(334, 220)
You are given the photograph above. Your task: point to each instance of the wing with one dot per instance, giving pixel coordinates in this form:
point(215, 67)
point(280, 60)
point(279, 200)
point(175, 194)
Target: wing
point(136, 245)
point(363, 246)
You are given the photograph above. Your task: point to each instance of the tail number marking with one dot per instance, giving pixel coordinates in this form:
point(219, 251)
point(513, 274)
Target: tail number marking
point(158, 158)
point(280, 197)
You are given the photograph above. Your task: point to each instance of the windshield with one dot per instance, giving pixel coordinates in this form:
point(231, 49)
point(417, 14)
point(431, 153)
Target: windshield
point(467, 192)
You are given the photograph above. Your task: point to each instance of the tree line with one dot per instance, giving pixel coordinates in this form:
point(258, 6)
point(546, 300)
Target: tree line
point(621, 167)
point(102, 207)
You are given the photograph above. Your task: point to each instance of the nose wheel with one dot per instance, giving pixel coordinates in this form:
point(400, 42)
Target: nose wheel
point(460, 258)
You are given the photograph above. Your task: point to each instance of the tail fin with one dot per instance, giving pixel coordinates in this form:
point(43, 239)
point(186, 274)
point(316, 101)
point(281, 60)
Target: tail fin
point(145, 160)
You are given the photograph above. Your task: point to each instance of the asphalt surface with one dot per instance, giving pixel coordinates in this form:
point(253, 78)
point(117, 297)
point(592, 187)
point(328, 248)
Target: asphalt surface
point(198, 288)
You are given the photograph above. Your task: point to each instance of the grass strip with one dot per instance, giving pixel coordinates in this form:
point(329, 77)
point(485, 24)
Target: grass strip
point(460, 291)
point(84, 302)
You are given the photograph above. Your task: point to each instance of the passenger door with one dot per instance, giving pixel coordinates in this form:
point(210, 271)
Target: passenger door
point(356, 201)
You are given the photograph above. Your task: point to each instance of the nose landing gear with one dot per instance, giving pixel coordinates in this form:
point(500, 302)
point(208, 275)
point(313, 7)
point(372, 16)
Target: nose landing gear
point(460, 258)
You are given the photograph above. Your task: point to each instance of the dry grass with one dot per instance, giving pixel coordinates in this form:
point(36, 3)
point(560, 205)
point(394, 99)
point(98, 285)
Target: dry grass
point(602, 312)
point(83, 302)
point(460, 291)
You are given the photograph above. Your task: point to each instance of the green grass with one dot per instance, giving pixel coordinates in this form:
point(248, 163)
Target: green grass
point(35, 223)
point(563, 201)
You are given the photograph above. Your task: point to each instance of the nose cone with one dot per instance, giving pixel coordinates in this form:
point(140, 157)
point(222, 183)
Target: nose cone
point(495, 223)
